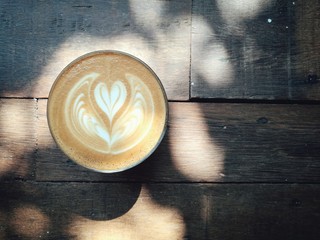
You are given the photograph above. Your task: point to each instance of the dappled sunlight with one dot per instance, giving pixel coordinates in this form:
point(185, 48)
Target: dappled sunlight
point(81, 44)
point(209, 165)
point(145, 220)
point(131, 43)
point(29, 221)
point(238, 159)
point(234, 12)
point(211, 59)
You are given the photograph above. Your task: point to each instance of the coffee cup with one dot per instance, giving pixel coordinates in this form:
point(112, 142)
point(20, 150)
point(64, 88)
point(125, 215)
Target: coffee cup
point(107, 111)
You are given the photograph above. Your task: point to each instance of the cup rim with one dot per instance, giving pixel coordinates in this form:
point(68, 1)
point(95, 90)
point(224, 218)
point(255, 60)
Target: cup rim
point(165, 98)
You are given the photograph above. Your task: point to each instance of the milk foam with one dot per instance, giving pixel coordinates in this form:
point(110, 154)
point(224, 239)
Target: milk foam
point(109, 118)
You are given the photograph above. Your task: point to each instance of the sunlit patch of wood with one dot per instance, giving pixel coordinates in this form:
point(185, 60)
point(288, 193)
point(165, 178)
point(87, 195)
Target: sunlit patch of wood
point(145, 220)
point(77, 45)
point(209, 165)
point(153, 10)
point(13, 118)
point(17, 135)
point(29, 221)
point(211, 60)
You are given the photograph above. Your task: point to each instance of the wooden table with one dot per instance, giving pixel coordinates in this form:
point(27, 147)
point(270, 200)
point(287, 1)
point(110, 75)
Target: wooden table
point(241, 157)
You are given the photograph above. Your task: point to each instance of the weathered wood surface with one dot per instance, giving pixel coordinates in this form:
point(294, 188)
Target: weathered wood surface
point(33, 210)
point(256, 49)
point(209, 142)
point(223, 171)
point(39, 38)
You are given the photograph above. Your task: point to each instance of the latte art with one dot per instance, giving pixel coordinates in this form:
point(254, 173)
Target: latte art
point(104, 132)
point(107, 111)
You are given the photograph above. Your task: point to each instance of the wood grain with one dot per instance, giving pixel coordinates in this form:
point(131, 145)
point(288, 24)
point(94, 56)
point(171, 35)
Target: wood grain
point(256, 50)
point(33, 210)
point(209, 142)
point(17, 138)
point(38, 39)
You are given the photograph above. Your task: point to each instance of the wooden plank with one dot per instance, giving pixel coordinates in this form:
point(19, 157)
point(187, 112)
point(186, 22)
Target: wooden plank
point(33, 210)
point(38, 39)
point(17, 138)
point(256, 50)
point(211, 142)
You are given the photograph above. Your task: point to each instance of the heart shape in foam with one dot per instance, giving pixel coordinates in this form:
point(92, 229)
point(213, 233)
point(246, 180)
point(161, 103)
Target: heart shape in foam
point(122, 132)
point(111, 101)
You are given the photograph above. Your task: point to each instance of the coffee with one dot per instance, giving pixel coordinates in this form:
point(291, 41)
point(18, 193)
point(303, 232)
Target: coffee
point(107, 111)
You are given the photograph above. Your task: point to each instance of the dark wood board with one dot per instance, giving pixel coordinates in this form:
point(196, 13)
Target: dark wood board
point(256, 50)
point(208, 142)
point(18, 141)
point(39, 38)
point(33, 210)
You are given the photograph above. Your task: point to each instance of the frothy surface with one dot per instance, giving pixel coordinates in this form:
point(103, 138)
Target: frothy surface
point(107, 111)
point(109, 119)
